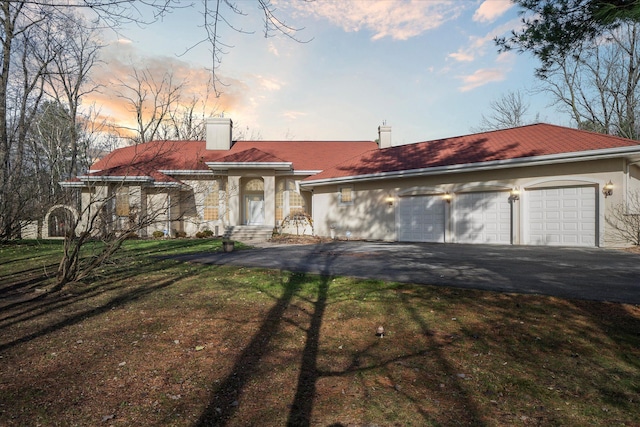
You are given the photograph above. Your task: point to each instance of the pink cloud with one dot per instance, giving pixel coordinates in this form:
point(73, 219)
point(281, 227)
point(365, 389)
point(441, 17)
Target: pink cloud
point(482, 77)
point(490, 10)
point(399, 20)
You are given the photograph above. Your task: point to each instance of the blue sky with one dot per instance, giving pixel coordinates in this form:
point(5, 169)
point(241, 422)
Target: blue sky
point(428, 68)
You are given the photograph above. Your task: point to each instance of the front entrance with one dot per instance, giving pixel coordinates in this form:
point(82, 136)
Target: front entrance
point(254, 208)
point(253, 201)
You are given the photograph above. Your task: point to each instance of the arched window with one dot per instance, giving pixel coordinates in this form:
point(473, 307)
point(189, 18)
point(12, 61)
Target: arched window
point(61, 222)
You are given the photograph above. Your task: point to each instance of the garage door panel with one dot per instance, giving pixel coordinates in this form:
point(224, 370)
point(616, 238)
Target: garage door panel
point(562, 216)
point(421, 219)
point(483, 217)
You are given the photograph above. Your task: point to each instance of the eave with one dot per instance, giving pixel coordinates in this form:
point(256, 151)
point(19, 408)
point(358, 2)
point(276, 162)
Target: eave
point(115, 178)
point(223, 166)
point(609, 153)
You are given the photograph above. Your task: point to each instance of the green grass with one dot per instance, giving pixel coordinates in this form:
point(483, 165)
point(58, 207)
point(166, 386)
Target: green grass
point(151, 341)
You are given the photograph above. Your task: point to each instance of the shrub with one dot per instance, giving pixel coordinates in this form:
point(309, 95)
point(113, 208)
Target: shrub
point(158, 234)
point(204, 233)
point(181, 234)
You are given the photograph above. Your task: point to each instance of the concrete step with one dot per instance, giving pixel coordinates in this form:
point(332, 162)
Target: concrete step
point(248, 233)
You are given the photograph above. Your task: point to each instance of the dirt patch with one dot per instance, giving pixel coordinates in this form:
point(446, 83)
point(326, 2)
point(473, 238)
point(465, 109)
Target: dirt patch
point(292, 239)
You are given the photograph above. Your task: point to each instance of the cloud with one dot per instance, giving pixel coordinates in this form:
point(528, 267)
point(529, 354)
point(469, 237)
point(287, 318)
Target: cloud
point(477, 46)
point(273, 49)
point(269, 84)
point(293, 115)
point(118, 64)
point(482, 77)
point(399, 20)
point(490, 10)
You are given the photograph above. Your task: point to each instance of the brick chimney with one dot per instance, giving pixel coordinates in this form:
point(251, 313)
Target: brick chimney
point(219, 133)
point(384, 136)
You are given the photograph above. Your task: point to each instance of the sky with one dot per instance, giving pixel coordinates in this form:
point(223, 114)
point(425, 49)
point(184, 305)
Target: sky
point(427, 68)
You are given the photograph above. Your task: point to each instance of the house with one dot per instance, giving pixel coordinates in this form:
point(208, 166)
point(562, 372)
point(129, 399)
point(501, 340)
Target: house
point(539, 184)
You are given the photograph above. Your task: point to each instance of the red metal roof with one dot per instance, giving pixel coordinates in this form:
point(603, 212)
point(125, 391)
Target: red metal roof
point(193, 155)
point(509, 144)
point(159, 155)
point(309, 155)
point(337, 159)
point(252, 155)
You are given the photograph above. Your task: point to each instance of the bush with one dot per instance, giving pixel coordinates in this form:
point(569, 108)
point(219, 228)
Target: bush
point(181, 234)
point(204, 233)
point(158, 234)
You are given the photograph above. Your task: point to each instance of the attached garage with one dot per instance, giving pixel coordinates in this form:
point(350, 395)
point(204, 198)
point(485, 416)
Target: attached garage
point(482, 217)
point(421, 219)
point(564, 216)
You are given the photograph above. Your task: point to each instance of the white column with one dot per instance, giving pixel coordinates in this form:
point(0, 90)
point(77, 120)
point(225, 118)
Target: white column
point(269, 200)
point(233, 192)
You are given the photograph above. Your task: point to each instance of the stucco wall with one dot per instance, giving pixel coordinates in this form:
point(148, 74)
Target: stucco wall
point(371, 217)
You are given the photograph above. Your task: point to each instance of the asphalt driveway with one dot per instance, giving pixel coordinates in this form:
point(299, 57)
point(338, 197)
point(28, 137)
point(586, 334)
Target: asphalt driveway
point(592, 274)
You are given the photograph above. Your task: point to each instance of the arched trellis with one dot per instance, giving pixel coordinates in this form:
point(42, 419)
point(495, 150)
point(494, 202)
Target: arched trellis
point(59, 221)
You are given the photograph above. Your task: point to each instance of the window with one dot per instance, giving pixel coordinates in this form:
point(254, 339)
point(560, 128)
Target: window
point(346, 195)
point(212, 203)
point(280, 200)
point(289, 202)
point(297, 205)
point(122, 201)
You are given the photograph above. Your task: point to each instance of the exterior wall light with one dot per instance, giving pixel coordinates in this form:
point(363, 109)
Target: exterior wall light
point(514, 195)
point(607, 190)
point(389, 200)
point(447, 197)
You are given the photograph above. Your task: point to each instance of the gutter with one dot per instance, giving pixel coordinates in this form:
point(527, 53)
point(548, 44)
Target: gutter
point(250, 165)
point(490, 165)
point(114, 178)
point(185, 172)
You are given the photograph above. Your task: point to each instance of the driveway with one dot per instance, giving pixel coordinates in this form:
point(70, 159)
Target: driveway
point(592, 274)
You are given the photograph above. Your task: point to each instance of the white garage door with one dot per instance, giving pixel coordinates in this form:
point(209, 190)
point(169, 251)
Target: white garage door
point(483, 217)
point(421, 219)
point(562, 216)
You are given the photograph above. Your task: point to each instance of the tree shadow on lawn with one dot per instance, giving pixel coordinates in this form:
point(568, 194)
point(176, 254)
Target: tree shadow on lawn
point(45, 304)
point(225, 402)
point(586, 352)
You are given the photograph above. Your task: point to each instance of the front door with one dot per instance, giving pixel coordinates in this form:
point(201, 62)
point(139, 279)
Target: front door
point(255, 209)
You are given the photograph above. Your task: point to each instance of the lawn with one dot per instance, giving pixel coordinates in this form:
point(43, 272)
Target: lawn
point(150, 342)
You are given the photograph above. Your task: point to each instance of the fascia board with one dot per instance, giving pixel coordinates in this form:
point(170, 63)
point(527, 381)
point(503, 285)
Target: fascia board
point(250, 165)
point(115, 178)
point(495, 164)
point(74, 184)
point(298, 173)
point(186, 172)
point(167, 185)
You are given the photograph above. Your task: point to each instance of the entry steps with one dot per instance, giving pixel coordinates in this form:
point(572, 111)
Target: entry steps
point(248, 233)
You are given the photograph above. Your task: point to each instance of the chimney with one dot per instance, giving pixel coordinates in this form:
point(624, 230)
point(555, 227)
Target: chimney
point(384, 136)
point(219, 133)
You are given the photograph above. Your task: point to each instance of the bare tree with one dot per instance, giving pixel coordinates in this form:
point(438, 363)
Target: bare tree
point(187, 121)
point(33, 47)
point(598, 85)
point(152, 99)
point(30, 42)
point(624, 219)
point(117, 206)
point(68, 81)
point(508, 111)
